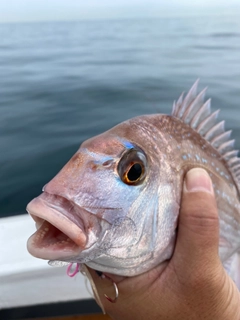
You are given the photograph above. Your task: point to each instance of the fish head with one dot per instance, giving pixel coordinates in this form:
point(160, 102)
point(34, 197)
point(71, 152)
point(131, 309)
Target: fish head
point(102, 208)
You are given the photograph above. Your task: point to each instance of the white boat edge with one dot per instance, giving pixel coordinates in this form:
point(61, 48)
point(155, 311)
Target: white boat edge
point(27, 281)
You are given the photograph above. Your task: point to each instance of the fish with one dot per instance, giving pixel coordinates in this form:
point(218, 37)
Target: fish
point(114, 206)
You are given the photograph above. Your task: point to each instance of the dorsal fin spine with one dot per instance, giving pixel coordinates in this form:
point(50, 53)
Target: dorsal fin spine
point(219, 140)
point(231, 154)
point(215, 130)
point(191, 111)
point(177, 105)
point(226, 146)
point(196, 113)
point(190, 96)
point(207, 123)
point(203, 111)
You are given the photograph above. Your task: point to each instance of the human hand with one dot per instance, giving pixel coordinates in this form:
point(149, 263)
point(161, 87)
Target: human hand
point(193, 284)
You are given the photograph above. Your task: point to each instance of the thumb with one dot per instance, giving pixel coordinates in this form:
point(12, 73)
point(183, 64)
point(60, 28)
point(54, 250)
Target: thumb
point(198, 229)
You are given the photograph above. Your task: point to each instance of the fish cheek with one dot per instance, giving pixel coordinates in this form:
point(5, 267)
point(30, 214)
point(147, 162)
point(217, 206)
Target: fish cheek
point(123, 232)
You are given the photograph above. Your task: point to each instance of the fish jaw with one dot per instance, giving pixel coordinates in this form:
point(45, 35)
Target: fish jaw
point(60, 233)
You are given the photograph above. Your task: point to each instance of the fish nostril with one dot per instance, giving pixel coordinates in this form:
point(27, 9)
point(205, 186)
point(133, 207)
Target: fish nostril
point(107, 163)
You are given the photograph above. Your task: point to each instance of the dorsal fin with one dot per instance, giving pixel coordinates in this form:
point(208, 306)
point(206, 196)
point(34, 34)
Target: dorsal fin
point(196, 113)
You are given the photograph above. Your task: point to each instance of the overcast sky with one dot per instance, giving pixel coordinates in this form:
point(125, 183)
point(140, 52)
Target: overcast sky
point(38, 10)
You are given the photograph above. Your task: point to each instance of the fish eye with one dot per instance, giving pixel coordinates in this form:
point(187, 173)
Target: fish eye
point(132, 167)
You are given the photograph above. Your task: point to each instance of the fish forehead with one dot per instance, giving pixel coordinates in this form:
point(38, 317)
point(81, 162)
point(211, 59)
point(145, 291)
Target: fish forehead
point(98, 149)
point(104, 145)
point(125, 135)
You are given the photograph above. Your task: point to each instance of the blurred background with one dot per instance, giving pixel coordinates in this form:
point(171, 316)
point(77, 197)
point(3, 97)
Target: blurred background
point(70, 70)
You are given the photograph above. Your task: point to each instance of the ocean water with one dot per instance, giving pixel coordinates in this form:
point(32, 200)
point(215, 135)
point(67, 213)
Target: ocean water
point(63, 82)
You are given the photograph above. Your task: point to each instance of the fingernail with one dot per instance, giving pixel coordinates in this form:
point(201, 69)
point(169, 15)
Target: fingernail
point(196, 180)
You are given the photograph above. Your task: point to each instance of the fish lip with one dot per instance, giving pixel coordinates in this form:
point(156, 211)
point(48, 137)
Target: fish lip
point(56, 210)
point(65, 208)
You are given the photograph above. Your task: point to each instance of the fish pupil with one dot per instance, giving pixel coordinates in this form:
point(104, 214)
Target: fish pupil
point(134, 172)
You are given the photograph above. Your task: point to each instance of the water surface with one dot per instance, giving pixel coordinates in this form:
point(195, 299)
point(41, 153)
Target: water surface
point(61, 83)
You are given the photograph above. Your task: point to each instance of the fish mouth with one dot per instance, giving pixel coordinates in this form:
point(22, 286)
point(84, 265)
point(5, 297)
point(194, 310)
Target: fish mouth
point(62, 228)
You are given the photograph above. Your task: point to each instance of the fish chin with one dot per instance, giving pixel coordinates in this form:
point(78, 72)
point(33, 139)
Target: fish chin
point(62, 231)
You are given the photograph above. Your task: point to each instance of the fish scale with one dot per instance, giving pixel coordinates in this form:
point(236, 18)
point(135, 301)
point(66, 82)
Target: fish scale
point(128, 221)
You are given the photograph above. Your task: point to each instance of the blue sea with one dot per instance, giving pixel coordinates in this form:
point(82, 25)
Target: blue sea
point(63, 82)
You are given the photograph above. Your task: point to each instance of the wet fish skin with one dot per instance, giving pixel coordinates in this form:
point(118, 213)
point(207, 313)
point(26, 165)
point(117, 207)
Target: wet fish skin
point(129, 229)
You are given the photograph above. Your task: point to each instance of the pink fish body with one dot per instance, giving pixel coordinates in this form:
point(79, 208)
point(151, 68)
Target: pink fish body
point(114, 206)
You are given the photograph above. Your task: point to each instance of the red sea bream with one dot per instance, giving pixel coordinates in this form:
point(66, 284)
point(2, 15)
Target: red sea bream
point(114, 206)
